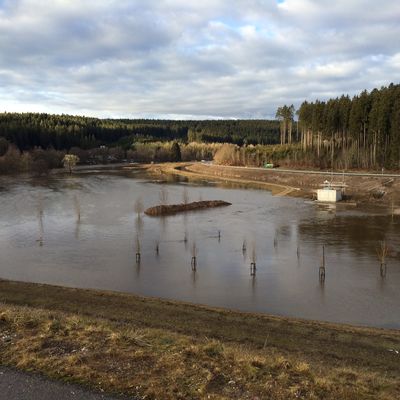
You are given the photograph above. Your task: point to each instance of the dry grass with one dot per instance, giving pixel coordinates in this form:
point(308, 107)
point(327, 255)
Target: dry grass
point(158, 349)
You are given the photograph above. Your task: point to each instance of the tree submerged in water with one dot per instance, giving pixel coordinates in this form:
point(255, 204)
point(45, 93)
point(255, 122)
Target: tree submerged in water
point(69, 161)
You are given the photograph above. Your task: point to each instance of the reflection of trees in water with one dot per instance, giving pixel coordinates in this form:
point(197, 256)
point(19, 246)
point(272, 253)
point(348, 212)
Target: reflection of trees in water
point(139, 224)
point(322, 291)
point(163, 224)
point(77, 229)
point(185, 196)
point(137, 269)
point(194, 278)
point(360, 234)
point(283, 231)
point(40, 214)
point(138, 206)
point(77, 208)
point(185, 235)
point(253, 285)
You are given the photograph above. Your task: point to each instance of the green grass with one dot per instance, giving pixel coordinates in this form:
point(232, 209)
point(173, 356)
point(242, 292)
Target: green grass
point(158, 349)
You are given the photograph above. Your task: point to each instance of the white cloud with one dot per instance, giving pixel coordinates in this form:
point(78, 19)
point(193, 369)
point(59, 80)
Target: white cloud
point(186, 58)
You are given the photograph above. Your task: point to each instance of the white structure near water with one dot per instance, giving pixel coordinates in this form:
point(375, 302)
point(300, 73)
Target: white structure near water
point(329, 193)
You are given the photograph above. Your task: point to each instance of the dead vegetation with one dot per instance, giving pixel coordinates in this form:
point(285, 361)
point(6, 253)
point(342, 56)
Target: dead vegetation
point(167, 209)
point(158, 349)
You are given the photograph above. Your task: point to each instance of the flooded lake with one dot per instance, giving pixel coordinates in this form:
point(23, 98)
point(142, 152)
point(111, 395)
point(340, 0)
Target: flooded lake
point(42, 239)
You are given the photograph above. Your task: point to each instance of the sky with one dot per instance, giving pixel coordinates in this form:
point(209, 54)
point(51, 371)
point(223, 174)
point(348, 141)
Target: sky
point(192, 59)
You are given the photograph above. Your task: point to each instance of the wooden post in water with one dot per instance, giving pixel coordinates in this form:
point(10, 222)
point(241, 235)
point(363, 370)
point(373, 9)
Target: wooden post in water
point(193, 261)
point(322, 267)
point(253, 266)
point(219, 236)
point(137, 250)
point(298, 252)
point(253, 269)
point(244, 247)
point(40, 216)
point(157, 248)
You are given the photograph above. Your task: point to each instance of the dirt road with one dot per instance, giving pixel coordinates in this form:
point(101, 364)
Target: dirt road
point(361, 187)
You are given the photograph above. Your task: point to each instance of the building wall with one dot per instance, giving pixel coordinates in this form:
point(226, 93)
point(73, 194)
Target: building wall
point(329, 195)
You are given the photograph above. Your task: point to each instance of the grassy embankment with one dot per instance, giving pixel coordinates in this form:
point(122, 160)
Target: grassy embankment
point(200, 172)
point(169, 350)
point(376, 190)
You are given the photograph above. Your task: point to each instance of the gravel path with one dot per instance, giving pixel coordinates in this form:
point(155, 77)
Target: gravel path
point(16, 385)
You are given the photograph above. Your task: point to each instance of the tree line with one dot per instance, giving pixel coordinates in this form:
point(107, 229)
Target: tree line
point(61, 132)
point(341, 133)
point(358, 132)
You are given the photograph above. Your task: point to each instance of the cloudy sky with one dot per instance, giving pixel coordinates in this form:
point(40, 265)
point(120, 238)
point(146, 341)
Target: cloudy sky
point(192, 58)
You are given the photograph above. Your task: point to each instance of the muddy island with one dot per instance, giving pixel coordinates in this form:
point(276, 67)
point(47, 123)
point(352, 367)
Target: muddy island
point(169, 209)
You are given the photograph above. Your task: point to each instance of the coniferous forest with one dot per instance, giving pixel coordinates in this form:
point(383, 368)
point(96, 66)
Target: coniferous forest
point(340, 133)
point(61, 132)
point(362, 132)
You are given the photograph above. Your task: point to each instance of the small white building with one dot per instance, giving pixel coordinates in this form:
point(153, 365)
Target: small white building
point(329, 193)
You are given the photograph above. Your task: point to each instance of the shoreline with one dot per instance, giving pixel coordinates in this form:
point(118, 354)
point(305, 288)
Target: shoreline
point(365, 190)
point(180, 350)
point(183, 169)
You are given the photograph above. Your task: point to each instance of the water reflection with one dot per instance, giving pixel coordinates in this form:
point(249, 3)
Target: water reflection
point(91, 238)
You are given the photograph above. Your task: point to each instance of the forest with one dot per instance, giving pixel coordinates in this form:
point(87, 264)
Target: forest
point(339, 133)
point(61, 132)
point(358, 132)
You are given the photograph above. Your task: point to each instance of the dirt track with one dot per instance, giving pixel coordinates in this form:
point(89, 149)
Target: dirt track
point(377, 190)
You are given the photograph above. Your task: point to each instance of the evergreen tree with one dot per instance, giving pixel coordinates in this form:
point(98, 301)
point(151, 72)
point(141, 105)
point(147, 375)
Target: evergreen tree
point(176, 152)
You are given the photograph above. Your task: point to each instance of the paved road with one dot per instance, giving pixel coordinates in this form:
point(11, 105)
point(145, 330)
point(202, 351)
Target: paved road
point(302, 171)
point(16, 385)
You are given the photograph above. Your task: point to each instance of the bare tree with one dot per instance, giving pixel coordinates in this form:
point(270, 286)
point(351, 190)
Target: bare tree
point(185, 196)
point(69, 161)
point(138, 206)
point(382, 252)
point(163, 196)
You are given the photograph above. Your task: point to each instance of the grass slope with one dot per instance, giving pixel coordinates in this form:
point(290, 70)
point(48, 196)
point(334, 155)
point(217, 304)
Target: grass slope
point(158, 349)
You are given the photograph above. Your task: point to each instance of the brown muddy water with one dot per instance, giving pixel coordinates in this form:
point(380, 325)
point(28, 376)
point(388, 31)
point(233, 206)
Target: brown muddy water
point(43, 240)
